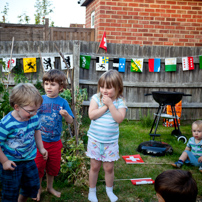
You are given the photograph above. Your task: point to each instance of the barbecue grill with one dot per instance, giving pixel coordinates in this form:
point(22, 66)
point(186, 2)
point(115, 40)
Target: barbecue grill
point(159, 148)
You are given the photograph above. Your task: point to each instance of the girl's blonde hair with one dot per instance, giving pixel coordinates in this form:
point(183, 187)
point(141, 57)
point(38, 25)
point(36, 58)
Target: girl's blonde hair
point(111, 78)
point(25, 94)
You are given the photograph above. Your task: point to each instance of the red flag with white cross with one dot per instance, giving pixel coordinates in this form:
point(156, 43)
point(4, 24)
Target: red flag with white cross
point(103, 43)
point(133, 159)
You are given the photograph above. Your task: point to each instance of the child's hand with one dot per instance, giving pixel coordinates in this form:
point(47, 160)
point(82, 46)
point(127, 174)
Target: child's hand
point(106, 100)
point(200, 159)
point(44, 153)
point(9, 165)
point(63, 112)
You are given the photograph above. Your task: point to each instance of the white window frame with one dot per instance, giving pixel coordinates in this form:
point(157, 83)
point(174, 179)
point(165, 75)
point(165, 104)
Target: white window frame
point(92, 19)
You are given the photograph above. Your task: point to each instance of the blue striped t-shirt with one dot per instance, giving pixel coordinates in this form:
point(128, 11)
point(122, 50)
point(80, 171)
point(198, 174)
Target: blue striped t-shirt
point(196, 148)
point(17, 138)
point(105, 129)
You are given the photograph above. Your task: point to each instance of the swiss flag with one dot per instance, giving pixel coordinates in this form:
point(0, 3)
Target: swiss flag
point(103, 43)
point(139, 181)
point(133, 159)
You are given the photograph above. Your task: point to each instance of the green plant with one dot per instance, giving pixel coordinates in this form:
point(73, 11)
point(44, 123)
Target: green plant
point(43, 9)
point(4, 101)
point(5, 12)
point(73, 163)
point(146, 121)
point(81, 95)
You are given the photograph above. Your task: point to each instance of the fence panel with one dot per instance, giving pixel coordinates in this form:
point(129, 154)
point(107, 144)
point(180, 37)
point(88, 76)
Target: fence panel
point(136, 85)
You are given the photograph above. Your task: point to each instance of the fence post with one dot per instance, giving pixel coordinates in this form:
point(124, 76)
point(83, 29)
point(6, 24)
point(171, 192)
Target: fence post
point(47, 31)
point(76, 63)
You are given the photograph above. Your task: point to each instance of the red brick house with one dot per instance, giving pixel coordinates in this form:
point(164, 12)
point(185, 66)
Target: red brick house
point(146, 22)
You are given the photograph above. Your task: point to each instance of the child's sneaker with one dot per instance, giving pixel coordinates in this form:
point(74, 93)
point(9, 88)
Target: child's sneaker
point(200, 169)
point(177, 164)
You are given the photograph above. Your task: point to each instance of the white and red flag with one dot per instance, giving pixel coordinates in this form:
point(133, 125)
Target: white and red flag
point(139, 181)
point(103, 43)
point(7, 62)
point(187, 63)
point(133, 159)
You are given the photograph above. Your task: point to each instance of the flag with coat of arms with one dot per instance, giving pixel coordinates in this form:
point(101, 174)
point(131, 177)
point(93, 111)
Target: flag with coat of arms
point(85, 61)
point(170, 64)
point(200, 61)
point(102, 63)
point(187, 63)
point(119, 64)
point(7, 62)
point(136, 65)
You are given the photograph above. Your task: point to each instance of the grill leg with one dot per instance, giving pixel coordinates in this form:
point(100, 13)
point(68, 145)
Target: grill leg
point(175, 120)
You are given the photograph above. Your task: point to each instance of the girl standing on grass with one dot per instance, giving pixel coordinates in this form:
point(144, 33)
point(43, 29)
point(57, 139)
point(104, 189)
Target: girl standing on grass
point(107, 109)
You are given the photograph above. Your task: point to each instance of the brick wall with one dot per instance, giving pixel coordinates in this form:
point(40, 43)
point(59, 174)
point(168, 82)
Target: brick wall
point(148, 22)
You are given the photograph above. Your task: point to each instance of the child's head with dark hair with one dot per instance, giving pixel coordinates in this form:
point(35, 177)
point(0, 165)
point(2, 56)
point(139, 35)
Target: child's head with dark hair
point(176, 186)
point(111, 78)
point(57, 76)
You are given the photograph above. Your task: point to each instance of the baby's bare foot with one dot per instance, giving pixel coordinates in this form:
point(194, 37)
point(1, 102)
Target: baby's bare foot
point(54, 192)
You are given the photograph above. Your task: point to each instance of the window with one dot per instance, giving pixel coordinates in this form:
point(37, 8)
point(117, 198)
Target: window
point(93, 19)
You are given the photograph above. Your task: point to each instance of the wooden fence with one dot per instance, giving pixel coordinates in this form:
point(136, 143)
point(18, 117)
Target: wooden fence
point(135, 84)
point(27, 32)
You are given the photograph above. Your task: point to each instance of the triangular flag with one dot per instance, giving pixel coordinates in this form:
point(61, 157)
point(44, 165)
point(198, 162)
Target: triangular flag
point(139, 181)
point(7, 62)
point(154, 65)
point(136, 65)
point(29, 65)
point(122, 64)
point(48, 63)
point(187, 63)
point(133, 159)
point(103, 43)
point(69, 61)
point(102, 63)
point(170, 64)
point(200, 61)
point(85, 61)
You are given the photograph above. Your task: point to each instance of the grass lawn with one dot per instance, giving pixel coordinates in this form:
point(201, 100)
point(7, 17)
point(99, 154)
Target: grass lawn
point(131, 135)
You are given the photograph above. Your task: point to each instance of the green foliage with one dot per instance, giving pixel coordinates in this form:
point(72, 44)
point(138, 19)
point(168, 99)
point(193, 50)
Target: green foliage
point(19, 74)
point(73, 163)
point(80, 96)
point(66, 94)
point(39, 86)
point(24, 18)
point(5, 12)
point(146, 121)
point(4, 101)
point(43, 9)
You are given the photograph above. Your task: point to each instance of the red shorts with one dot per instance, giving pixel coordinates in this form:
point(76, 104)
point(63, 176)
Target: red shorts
point(52, 164)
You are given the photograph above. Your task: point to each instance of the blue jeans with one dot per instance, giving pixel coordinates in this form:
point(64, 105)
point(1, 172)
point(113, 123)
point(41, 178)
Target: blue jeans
point(192, 159)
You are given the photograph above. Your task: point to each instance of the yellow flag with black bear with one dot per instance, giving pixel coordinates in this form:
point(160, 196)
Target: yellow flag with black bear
point(29, 65)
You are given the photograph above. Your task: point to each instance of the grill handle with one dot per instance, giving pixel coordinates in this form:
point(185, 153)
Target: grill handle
point(147, 94)
point(187, 94)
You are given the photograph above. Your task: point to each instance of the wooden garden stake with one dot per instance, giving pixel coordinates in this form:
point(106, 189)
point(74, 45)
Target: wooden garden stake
point(10, 64)
point(72, 94)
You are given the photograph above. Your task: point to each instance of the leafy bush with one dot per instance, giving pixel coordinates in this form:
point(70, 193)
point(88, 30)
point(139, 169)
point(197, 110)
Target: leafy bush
point(73, 163)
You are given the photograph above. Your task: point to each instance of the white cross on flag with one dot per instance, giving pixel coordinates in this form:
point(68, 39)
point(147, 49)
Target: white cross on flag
point(139, 181)
point(133, 159)
point(103, 43)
